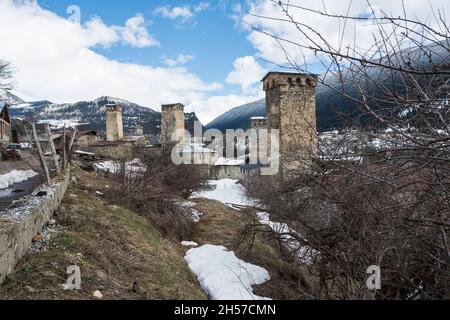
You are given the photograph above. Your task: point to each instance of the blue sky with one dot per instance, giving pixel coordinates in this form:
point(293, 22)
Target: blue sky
point(210, 36)
point(200, 53)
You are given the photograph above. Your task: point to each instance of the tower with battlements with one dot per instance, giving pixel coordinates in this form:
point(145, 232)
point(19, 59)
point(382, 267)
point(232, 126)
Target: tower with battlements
point(114, 122)
point(172, 125)
point(291, 108)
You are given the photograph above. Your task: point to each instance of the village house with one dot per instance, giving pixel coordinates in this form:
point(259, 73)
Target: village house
point(5, 126)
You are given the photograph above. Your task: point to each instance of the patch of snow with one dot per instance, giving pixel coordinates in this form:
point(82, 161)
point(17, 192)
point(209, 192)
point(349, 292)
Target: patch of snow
point(15, 176)
point(227, 191)
point(132, 167)
point(59, 124)
point(107, 166)
point(223, 276)
point(283, 229)
point(189, 244)
point(193, 148)
point(193, 213)
point(258, 118)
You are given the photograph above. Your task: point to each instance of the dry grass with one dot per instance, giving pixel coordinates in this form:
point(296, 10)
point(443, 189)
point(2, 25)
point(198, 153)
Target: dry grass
point(114, 247)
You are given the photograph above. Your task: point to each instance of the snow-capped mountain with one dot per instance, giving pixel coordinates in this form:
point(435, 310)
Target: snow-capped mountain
point(331, 104)
point(91, 114)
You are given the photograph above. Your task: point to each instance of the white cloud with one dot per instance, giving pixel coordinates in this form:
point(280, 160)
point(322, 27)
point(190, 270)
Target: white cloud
point(135, 33)
point(182, 13)
point(55, 61)
point(178, 60)
point(202, 6)
point(330, 29)
point(247, 72)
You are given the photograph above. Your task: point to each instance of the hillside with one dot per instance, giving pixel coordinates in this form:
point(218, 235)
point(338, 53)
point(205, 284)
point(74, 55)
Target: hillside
point(330, 102)
point(239, 116)
point(118, 251)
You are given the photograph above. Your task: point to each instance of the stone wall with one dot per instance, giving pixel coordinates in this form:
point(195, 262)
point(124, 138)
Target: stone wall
point(26, 218)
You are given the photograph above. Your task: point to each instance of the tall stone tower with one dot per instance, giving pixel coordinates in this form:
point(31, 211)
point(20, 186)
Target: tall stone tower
point(291, 108)
point(114, 122)
point(172, 123)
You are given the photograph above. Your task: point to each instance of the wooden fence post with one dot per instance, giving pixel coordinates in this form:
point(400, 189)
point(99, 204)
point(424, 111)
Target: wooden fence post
point(72, 140)
point(41, 155)
point(64, 148)
point(53, 149)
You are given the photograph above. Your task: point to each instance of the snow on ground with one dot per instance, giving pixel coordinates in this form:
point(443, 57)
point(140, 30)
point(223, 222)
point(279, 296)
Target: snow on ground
point(223, 276)
point(189, 244)
point(133, 166)
point(15, 176)
point(107, 166)
point(226, 191)
point(194, 214)
point(303, 252)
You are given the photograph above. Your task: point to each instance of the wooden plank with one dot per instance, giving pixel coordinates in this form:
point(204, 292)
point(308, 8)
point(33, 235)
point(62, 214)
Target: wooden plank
point(64, 148)
point(53, 150)
point(41, 155)
point(72, 140)
point(29, 138)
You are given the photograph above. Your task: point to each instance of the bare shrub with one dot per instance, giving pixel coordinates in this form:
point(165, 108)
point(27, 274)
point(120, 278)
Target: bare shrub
point(154, 187)
point(379, 191)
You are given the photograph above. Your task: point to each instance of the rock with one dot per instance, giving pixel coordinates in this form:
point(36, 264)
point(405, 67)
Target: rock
point(97, 294)
point(30, 289)
point(51, 222)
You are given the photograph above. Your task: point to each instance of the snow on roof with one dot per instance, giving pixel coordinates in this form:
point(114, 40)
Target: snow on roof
point(195, 148)
point(258, 118)
point(229, 162)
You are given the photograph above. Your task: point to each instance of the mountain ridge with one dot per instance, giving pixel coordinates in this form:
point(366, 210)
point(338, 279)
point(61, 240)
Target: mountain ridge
point(91, 114)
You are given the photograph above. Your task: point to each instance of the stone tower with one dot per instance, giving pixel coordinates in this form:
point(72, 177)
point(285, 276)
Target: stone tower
point(257, 124)
point(114, 122)
point(291, 108)
point(172, 124)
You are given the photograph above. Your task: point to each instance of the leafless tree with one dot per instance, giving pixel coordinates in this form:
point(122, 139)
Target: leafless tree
point(6, 74)
point(379, 193)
